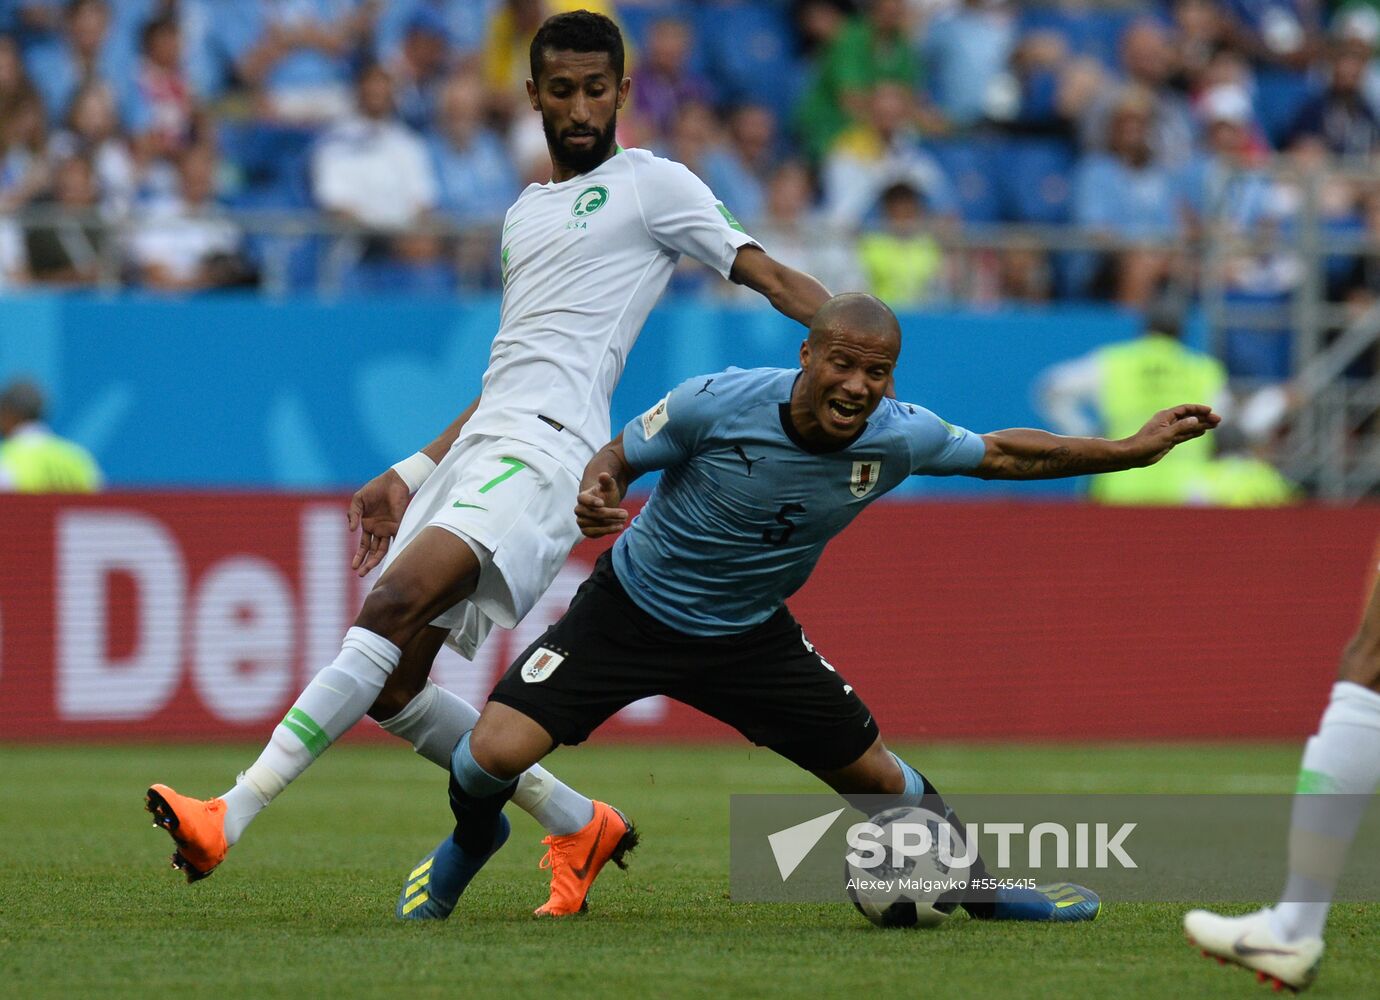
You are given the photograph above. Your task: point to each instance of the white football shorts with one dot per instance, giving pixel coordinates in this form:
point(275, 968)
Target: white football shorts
point(515, 506)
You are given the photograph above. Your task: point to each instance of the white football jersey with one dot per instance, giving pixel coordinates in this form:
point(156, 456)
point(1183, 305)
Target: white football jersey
point(584, 260)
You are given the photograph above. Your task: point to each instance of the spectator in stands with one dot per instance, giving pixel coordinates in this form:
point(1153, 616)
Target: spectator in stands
point(419, 68)
point(92, 132)
point(371, 168)
point(463, 21)
point(966, 50)
point(296, 54)
point(901, 260)
point(23, 139)
point(664, 80)
point(694, 137)
point(1198, 29)
point(67, 246)
point(1224, 182)
point(1149, 61)
point(83, 55)
point(1283, 33)
point(184, 242)
point(477, 181)
point(799, 236)
point(1126, 195)
point(160, 110)
point(1024, 274)
point(737, 171)
point(14, 80)
point(375, 172)
point(1047, 91)
point(1340, 115)
point(869, 158)
point(32, 458)
point(873, 48)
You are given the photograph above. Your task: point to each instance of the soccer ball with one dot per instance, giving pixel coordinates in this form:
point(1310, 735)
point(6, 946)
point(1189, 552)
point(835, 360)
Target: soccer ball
point(900, 879)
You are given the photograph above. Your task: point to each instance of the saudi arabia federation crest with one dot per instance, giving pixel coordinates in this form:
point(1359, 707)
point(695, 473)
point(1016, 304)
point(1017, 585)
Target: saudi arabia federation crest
point(865, 476)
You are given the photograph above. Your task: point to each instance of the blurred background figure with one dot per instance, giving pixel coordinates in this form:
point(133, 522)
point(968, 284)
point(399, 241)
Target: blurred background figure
point(32, 458)
point(296, 55)
point(1127, 193)
point(1107, 391)
point(185, 243)
point(901, 260)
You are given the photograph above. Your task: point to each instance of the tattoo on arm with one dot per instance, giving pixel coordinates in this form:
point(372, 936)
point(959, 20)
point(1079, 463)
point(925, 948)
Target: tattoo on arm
point(1057, 461)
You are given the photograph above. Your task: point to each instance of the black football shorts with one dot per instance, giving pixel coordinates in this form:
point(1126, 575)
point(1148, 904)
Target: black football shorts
point(768, 682)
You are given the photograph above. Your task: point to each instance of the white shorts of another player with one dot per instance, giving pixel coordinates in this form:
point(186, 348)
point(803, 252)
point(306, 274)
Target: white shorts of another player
point(514, 505)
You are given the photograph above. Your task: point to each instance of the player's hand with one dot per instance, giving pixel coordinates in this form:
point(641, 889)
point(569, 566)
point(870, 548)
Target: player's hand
point(1170, 428)
point(376, 509)
point(597, 511)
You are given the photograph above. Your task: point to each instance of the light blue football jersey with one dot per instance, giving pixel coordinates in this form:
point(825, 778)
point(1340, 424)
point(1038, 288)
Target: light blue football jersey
point(744, 508)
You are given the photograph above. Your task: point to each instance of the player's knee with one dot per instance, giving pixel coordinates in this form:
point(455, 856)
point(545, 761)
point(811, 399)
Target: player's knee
point(394, 609)
point(495, 754)
point(1361, 660)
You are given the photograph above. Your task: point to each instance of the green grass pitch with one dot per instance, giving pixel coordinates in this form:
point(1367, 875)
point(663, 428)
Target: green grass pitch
point(304, 906)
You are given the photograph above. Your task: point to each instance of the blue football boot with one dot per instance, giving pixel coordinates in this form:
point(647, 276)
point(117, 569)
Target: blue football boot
point(436, 882)
point(1061, 902)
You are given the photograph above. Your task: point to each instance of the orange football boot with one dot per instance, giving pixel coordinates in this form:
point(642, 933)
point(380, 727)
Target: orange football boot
point(575, 859)
point(197, 827)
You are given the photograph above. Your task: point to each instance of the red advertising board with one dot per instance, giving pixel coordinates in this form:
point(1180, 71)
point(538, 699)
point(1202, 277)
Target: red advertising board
point(200, 617)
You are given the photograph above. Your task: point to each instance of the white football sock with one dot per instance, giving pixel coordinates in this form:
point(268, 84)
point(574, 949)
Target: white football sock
point(1341, 767)
point(334, 701)
point(433, 723)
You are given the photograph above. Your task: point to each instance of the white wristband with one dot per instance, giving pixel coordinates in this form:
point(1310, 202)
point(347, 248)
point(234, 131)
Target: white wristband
point(414, 470)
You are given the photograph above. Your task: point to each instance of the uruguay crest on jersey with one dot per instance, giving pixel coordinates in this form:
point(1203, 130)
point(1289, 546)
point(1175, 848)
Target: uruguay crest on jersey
point(865, 476)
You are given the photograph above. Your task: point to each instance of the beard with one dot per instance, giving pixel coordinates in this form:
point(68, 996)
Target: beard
point(582, 161)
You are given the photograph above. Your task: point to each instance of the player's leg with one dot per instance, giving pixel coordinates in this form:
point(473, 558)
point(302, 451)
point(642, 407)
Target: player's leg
point(433, 719)
point(434, 572)
point(558, 691)
point(1339, 773)
point(775, 688)
point(510, 743)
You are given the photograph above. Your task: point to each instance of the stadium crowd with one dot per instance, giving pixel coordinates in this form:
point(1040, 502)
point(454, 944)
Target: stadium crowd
point(870, 142)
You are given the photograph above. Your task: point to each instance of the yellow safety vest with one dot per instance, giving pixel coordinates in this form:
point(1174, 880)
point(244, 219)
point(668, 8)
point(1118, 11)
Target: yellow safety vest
point(900, 270)
point(1240, 481)
point(1140, 377)
point(45, 463)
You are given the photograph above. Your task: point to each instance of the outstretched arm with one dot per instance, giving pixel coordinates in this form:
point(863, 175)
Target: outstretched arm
point(603, 486)
point(793, 293)
point(1023, 453)
point(378, 505)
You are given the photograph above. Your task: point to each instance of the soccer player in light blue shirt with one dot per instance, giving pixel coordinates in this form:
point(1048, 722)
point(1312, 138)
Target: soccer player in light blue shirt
point(761, 469)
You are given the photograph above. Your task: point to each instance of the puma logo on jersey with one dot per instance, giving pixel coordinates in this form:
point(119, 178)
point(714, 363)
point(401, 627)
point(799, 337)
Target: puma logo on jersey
point(749, 462)
point(705, 388)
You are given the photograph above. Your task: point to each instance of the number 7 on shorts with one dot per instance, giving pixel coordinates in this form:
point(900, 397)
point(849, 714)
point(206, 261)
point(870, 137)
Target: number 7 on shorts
point(514, 467)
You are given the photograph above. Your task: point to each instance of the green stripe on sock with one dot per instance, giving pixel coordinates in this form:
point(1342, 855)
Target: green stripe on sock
point(1314, 783)
point(301, 725)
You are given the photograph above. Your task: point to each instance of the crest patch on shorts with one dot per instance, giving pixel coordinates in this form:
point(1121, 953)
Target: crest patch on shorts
point(655, 418)
point(541, 665)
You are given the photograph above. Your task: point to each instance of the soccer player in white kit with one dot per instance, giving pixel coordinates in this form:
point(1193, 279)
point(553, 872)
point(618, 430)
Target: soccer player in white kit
point(483, 516)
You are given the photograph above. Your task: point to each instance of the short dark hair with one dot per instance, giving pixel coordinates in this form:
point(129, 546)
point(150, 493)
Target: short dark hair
point(578, 31)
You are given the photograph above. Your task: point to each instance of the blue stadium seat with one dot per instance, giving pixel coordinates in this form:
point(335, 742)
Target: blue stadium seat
point(970, 166)
point(749, 55)
point(1280, 95)
point(1036, 180)
point(1095, 33)
point(263, 151)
